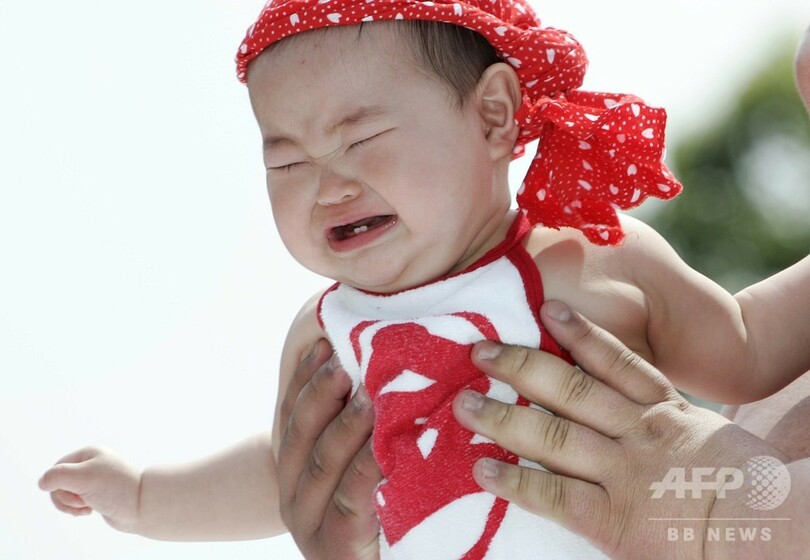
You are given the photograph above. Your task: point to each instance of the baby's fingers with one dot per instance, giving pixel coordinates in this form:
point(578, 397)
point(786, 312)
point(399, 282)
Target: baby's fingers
point(65, 476)
point(70, 503)
point(69, 472)
point(69, 499)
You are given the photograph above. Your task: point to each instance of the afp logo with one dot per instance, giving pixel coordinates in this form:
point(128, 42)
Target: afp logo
point(765, 480)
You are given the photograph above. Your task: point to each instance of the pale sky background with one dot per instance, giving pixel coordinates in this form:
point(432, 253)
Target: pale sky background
point(144, 294)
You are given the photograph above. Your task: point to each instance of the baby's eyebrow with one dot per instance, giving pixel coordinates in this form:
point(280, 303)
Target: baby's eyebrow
point(356, 116)
point(359, 116)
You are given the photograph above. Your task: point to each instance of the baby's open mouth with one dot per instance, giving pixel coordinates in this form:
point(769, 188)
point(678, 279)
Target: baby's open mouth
point(360, 226)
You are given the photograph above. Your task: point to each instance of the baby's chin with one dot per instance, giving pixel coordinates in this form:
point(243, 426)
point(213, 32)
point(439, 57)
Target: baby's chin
point(380, 285)
point(386, 271)
point(385, 280)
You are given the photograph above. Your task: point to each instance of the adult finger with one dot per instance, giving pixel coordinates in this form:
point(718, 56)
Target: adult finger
point(354, 494)
point(558, 386)
point(320, 353)
point(353, 520)
point(318, 403)
point(580, 506)
point(559, 444)
point(332, 455)
point(603, 356)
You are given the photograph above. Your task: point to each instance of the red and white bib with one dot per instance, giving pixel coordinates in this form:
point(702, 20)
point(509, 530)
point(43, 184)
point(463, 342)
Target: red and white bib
point(411, 349)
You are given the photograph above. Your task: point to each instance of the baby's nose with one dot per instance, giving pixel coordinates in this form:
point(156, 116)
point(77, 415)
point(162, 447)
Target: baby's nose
point(336, 188)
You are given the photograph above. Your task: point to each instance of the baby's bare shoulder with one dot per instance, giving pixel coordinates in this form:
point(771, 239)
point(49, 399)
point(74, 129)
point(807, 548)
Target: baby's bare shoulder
point(565, 255)
point(305, 330)
point(595, 280)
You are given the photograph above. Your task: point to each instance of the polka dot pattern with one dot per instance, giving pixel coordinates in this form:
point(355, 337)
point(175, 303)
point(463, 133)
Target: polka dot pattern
point(597, 153)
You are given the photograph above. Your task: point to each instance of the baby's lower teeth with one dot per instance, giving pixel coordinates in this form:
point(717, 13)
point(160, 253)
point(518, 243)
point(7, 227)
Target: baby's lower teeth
point(361, 229)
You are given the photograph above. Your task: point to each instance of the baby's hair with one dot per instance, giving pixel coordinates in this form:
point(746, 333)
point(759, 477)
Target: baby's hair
point(456, 55)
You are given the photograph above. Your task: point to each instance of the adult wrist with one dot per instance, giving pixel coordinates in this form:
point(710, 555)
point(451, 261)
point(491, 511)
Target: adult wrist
point(745, 522)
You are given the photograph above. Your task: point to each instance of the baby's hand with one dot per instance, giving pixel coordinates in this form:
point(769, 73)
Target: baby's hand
point(94, 478)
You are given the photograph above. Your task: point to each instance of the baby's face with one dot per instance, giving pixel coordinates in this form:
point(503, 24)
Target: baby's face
point(376, 178)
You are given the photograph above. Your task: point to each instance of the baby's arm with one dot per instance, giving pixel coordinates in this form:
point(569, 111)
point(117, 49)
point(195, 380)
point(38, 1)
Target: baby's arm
point(776, 309)
point(302, 337)
point(231, 495)
point(708, 342)
point(644, 294)
point(768, 336)
point(777, 323)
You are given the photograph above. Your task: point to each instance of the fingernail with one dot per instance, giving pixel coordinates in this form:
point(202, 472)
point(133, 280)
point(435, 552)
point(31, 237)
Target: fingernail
point(558, 311)
point(488, 350)
point(472, 401)
point(334, 362)
point(490, 468)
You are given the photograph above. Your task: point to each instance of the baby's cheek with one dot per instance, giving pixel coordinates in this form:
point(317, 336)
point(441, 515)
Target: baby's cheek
point(382, 162)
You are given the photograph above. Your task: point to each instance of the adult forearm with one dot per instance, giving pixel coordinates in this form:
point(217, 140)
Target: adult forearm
point(232, 495)
point(742, 532)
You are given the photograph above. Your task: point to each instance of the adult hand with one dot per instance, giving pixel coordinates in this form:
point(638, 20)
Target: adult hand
point(326, 469)
point(620, 427)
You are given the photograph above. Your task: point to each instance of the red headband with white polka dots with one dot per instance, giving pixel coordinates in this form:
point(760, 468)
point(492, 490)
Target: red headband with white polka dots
point(598, 152)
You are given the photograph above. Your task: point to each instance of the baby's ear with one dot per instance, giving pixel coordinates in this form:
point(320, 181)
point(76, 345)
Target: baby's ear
point(498, 97)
